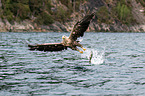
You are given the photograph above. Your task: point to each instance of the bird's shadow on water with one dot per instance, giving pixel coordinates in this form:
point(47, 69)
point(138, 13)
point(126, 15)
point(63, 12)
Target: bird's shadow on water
point(81, 69)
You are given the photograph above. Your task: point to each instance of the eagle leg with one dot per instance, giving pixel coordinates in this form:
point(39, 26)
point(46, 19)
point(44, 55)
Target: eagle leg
point(75, 48)
point(78, 44)
point(79, 51)
point(84, 49)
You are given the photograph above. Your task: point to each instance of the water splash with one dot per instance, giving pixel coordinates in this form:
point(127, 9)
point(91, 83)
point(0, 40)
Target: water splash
point(97, 58)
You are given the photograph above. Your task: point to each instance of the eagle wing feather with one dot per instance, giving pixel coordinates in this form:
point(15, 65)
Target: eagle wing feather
point(48, 47)
point(80, 27)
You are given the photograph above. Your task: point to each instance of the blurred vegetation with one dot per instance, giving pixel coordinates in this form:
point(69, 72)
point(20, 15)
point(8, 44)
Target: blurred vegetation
point(142, 2)
point(44, 18)
point(119, 10)
point(44, 12)
point(39, 11)
point(26, 9)
point(103, 15)
point(123, 12)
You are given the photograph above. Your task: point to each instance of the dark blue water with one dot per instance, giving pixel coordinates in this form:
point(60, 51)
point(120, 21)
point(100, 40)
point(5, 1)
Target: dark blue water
point(117, 68)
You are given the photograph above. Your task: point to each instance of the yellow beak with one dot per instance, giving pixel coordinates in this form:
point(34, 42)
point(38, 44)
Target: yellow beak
point(62, 37)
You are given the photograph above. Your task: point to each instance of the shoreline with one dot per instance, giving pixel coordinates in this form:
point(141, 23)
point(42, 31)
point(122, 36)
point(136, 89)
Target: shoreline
point(66, 32)
point(27, 26)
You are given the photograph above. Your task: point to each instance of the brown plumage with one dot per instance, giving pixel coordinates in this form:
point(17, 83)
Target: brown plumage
point(78, 31)
point(80, 27)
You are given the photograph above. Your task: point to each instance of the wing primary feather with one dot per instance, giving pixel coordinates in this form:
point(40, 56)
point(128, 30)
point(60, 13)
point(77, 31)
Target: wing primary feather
point(80, 27)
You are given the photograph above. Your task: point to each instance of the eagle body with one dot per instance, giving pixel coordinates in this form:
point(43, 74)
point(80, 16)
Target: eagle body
point(66, 41)
point(78, 31)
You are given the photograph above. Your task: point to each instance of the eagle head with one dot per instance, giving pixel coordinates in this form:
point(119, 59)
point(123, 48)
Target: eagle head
point(64, 37)
point(64, 40)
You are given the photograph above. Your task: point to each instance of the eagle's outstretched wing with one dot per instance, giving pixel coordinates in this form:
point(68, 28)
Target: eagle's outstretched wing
point(78, 31)
point(80, 27)
point(48, 47)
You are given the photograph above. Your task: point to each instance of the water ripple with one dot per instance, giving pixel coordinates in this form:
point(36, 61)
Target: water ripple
point(117, 67)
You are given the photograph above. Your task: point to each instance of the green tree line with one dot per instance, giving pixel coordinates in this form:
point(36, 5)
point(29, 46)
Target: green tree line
point(142, 2)
point(44, 12)
point(120, 10)
point(39, 11)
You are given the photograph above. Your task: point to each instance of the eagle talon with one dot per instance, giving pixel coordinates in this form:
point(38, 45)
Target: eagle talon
point(84, 49)
point(81, 51)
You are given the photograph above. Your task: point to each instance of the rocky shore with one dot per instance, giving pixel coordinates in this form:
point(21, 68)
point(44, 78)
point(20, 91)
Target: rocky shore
point(27, 26)
point(91, 5)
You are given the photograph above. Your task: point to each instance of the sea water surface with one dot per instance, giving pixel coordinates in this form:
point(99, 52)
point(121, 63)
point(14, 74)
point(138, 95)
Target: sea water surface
point(117, 67)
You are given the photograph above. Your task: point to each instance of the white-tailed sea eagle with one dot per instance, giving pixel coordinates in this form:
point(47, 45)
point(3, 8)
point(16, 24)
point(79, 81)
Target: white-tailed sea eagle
point(78, 31)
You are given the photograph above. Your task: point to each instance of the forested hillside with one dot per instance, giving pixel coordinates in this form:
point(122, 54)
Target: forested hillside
point(41, 11)
point(60, 15)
